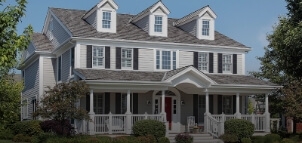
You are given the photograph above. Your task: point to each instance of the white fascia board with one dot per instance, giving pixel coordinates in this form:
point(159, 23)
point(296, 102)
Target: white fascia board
point(33, 57)
point(246, 86)
point(111, 2)
point(46, 21)
point(99, 82)
point(161, 6)
point(210, 11)
point(162, 45)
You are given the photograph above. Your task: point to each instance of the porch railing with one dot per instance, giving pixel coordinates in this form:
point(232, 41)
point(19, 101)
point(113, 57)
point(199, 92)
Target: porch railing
point(213, 126)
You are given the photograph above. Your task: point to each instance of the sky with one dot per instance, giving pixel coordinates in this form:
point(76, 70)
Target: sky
point(246, 21)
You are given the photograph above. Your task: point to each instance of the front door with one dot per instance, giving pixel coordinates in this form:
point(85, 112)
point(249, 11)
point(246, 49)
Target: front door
point(168, 110)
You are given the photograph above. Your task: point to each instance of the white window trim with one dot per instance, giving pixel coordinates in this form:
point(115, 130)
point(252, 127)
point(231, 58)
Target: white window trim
point(202, 27)
point(59, 81)
point(208, 62)
point(231, 67)
point(155, 16)
point(110, 21)
point(129, 68)
point(99, 19)
point(211, 35)
point(164, 32)
point(171, 60)
point(95, 102)
point(71, 75)
point(104, 57)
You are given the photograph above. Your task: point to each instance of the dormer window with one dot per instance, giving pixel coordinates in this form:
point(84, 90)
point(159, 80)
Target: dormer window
point(205, 27)
point(106, 20)
point(158, 26)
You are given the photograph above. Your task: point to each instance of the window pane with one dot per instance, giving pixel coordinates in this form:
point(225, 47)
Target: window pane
point(203, 61)
point(227, 63)
point(157, 59)
point(158, 23)
point(98, 56)
point(174, 60)
point(205, 27)
point(127, 58)
point(106, 19)
point(201, 108)
point(166, 60)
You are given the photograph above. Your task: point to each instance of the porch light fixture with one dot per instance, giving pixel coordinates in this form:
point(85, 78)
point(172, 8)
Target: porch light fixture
point(148, 102)
point(182, 102)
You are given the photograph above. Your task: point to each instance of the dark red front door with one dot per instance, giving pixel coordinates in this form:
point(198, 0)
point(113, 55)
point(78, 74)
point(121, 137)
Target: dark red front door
point(168, 106)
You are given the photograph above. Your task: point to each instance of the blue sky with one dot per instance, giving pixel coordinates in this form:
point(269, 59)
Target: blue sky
point(246, 21)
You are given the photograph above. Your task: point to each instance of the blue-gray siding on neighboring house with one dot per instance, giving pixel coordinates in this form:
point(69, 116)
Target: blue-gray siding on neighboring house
point(60, 35)
point(30, 50)
point(49, 69)
point(92, 19)
point(66, 66)
point(190, 27)
point(143, 23)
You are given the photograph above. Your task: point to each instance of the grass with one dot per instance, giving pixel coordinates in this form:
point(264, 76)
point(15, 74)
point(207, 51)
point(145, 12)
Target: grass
point(9, 141)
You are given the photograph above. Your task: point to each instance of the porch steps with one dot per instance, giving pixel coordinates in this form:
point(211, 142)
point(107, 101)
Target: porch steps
point(198, 138)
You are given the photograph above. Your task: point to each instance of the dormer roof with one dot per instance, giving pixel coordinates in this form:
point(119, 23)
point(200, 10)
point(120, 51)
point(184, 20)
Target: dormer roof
point(151, 9)
point(196, 14)
point(99, 5)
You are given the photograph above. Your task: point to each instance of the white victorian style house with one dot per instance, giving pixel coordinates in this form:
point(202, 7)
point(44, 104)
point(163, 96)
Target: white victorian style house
point(179, 71)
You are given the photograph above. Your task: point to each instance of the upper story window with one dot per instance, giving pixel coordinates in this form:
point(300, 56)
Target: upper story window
point(71, 61)
point(205, 27)
point(165, 60)
point(50, 29)
point(127, 58)
point(106, 19)
point(98, 56)
point(203, 61)
point(227, 63)
point(158, 25)
point(60, 68)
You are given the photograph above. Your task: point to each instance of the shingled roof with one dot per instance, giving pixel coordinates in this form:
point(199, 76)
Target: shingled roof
point(126, 30)
point(41, 42)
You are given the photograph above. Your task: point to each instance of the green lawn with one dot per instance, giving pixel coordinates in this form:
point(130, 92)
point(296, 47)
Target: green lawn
point(8, 141)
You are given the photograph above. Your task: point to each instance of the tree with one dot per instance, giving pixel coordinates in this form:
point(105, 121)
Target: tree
point(293, 100)
point(10, 41)
point(10, 90)
point(58, 102)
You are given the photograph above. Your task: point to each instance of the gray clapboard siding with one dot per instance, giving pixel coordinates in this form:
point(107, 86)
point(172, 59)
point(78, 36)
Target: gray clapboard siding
point(66, 66)
point(146, 59)
point(215, 62)
point(143, 107)
point(60, 35)
point(143, 23)
point(30, 50)
point(49, 68)
point(239, 64)
point(92, 19)
point(187, 109)
point(112, 57)
point(83, 56)
point(185, 58)
point(190, 27)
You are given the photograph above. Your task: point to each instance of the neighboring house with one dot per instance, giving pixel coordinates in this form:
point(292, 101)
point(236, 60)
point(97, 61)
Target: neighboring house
point(144, 66)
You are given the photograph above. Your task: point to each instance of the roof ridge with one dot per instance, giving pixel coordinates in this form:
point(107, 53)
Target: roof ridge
point(188, 15)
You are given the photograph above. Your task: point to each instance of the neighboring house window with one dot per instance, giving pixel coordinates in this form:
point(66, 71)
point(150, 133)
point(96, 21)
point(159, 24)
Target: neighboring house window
point(158, 26)
point(106, 19)
point(227, 63)
point(60, 68)
point(71, 61)
point(50, 29)
point(165, 60)
point(205, 27)
point(24, 109)
point(98, 56)
point(227, 104)
point(201, 108)
point(127, 58)
point(98, 103)
point(203, 61)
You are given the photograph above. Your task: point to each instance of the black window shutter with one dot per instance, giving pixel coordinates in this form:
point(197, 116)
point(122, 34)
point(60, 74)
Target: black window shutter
point(211, 63)
point(107, 103)
point(234, 104)
point(89, 56)
point(211, 99)
point(135, 59)
point(220, 104)
point(219, 63)
point(135, 103)
point(195, 62)
point(234, 63)
point(118, 101)
point(195, 107)
point(87, 102)
point(118, 58)
point(107, 57)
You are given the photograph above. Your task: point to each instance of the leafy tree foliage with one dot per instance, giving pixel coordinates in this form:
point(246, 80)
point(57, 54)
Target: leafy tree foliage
point(10, 90)
point(293, 100)
point(59, 102)
point(10, 41)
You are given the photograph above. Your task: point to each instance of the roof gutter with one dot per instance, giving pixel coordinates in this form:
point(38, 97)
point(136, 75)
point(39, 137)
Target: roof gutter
point(246, 86)
point(99, 82)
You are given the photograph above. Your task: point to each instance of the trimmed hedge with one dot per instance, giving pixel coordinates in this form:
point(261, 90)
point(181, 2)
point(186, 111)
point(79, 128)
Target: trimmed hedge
point(28, 128)
point(229, 138)
point(239, 127)
point(183, 138)
point(163, 140)
point(272, 138)
point(258, 139)
point(149, 127)
point(22, 138)
point(246, 140)
point(56, 126)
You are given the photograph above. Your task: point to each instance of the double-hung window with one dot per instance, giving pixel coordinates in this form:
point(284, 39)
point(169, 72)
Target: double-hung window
point(158, 23)
point(203, 61)
point(98, 56)
point(127, 58)
point(106, 19)
point(205, 27)
point(227, 63)
point(98, 103)
point(59, 68)
point(201, 108)
point(165, 60)
point(71, 61)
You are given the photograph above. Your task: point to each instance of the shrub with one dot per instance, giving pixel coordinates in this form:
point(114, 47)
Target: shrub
point(246, 140)
point(104, 139)
point(229, 138)
point(149, 127)
point(183, 138)
point(6, 134)
point(271, 138)
point(123, 139)
point(57, 127)
point(239, 127)
point(42, 137)
point(285, 140)
point(146, 139)
point(21, 138)
point(258, 139)
point(163, 140)
point(28, 128)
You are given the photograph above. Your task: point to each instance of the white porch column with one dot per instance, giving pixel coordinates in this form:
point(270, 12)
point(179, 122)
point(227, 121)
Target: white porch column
point(267, 115)
point(207, 102)
point(128, 114)
point(163, 111)
point(238, 114)
point(91, 115)
point(207, 113)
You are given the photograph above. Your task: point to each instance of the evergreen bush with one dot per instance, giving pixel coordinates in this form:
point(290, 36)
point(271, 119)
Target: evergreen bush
point(239, 127)
point(183, 138)
point(28, 128)
point(149, 127)
point(229, 138)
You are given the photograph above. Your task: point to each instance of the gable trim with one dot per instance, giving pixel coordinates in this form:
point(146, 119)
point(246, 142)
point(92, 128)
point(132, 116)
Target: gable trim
point(49, 14)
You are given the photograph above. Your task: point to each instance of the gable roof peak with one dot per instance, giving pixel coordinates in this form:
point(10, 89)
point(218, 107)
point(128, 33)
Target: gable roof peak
point(99, 5)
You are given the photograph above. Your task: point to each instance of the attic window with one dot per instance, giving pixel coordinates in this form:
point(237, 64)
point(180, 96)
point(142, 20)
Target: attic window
point(106, 19)
point(206, 27)
point(158, 26)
